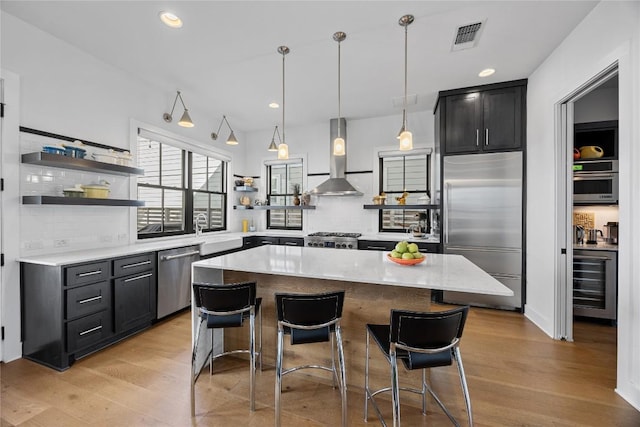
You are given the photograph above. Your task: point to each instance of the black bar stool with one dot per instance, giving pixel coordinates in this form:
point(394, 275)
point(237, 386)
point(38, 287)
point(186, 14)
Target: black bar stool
point(311, 318)
point(227, 306)
point(421, 341)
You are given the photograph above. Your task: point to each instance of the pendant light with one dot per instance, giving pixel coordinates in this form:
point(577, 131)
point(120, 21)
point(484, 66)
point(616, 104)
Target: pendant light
point(185, 120)
point(338, 143)
point(273, 146)
point(283, 148)
point(405, 136)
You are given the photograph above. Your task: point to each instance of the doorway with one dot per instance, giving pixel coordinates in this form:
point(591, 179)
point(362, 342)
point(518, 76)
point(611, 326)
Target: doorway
point(590, 256)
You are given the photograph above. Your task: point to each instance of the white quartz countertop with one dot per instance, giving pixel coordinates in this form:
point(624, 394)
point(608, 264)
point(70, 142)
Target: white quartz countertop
point(437, 272)
point(600, 246)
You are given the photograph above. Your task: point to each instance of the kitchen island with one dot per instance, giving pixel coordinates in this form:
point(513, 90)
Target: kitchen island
point(373, 284)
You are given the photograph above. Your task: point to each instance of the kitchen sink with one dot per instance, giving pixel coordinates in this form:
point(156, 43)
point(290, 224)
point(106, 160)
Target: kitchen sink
point(219, 244)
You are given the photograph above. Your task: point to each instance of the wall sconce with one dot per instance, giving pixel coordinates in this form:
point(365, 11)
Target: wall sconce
point(232, 138)
point(185, 120)
point(405, 137)
point(273, 146)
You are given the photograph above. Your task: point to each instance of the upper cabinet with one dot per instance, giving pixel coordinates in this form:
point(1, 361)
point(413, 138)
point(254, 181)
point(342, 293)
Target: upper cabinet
point(483, 118)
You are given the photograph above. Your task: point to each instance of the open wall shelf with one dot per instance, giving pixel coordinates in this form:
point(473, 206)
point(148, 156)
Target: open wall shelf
point(78, 201)
point(401, 207)
point(266, 208)
point(86, 165)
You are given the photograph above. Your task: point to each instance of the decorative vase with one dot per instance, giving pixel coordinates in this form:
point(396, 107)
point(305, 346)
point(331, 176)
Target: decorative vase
point(296, 200)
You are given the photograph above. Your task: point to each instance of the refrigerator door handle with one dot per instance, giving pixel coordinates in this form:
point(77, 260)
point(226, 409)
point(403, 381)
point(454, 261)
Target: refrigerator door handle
point(486, 136)
point(447, 187)
point(477, 137)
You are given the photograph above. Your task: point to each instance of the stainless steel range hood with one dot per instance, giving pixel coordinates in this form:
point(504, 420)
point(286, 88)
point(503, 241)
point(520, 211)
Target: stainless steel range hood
point(337, 184)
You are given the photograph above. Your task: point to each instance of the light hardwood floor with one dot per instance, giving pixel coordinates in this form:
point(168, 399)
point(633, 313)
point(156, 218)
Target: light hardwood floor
point(517, 377)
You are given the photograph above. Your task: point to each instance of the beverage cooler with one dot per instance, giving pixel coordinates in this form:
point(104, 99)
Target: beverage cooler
point(595, 284)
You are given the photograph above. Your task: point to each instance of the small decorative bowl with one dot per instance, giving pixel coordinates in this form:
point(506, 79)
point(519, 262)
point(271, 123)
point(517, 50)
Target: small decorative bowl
point(406, 261)
point(53, 150)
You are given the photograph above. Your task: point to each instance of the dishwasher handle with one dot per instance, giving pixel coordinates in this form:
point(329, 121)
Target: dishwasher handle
point(182, 255)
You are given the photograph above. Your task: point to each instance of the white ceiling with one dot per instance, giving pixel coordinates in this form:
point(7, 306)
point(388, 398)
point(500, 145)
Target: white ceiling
point(225, 60)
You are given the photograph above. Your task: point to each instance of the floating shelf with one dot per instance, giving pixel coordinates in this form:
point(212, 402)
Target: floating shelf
point(401, 207)
point(60, 161)
point(83, 201)
point(245, 189)
point(266, 208)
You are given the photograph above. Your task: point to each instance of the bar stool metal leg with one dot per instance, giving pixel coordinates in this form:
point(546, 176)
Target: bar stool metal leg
point(463, 383)
point(279, 373)
point(333, 361)
point(366, 380)
point(395, 387)
point(252, 359)
point(424, 392)
point(193, 369)
point(343, 375)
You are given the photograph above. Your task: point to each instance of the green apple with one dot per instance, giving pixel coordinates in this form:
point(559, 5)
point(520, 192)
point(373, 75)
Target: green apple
point(396, 254)
point(412, 247)
point(401, 247)
point(418, 255)
point(407, 255)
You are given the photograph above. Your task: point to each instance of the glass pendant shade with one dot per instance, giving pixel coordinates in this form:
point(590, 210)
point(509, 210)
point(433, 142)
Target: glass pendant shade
point(232, 139)
point(283, 152)
point(406, 141)
point(185, 120)
point(338, 147)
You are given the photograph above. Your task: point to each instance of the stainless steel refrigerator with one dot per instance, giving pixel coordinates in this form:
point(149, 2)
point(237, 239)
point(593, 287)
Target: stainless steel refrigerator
point(482, 220)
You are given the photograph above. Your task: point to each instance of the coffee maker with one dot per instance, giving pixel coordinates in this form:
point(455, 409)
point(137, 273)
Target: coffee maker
point(612, 232)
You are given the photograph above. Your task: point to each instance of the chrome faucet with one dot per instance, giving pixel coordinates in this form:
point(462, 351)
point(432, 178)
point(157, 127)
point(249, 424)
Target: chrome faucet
point(199, 227)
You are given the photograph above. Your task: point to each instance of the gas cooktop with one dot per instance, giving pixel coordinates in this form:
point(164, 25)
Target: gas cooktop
point(334, 234)
point(335, 240)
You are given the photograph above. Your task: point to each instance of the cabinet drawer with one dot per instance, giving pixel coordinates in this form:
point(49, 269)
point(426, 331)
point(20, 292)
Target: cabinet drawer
point(87, 273)
point(376, 245)
point(267, 240)
point(291, 241)
point(433, 248)
point(133, 265)
point(88, 330)
point(88, 299)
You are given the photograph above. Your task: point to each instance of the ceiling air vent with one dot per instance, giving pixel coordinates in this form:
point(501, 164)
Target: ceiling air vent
point(467, 36)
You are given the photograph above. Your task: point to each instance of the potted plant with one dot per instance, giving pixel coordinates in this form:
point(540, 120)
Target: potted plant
point(296, 193)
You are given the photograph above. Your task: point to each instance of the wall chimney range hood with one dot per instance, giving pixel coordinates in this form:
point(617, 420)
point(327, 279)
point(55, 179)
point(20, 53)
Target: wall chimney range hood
point(337, 184)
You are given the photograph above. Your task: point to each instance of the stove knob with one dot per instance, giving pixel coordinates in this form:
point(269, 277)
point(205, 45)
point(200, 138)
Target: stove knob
point(350, 246)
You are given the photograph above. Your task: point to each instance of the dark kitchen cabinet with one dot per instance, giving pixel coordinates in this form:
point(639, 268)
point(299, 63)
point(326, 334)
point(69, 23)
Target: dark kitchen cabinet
point(482, 119)
point(388, 245)
point(70, 311)
point(134, 295)
point(253, 241)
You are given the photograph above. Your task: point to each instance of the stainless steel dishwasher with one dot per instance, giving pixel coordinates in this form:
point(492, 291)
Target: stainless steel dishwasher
point(174, 279)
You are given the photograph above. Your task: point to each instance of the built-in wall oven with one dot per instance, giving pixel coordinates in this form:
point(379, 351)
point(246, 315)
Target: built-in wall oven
point(595, 284)
point(595, 182)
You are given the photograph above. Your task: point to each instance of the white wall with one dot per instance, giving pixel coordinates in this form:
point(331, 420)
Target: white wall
point(610, 33)
point(364, 138)
point(66, 91)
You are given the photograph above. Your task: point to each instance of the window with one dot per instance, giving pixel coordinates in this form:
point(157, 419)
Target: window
point(404, 173)
point(177, 186)
point(283, 180)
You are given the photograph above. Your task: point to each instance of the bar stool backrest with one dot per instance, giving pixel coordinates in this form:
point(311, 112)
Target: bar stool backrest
point(308, 311)
point(224, 304)
point(427, 331)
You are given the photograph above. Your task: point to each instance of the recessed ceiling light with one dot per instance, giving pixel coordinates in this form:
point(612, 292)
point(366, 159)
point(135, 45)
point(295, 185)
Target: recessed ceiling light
point(274, 105)
point(170, 19)
point(486, 72)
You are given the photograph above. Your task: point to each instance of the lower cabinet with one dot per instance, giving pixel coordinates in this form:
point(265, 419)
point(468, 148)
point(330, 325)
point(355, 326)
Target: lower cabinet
point(253, 241)
point(71, 311)
point(384, 245)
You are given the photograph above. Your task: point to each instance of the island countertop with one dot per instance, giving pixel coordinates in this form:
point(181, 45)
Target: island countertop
point(437, 272)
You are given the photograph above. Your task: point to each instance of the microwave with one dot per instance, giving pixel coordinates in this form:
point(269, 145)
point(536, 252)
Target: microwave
point(595, 182)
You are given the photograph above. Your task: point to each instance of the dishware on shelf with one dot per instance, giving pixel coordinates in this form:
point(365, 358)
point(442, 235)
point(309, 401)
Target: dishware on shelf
point(239, 182)
point(104, 157)
point(248, 181)
point(53, 150)
point(76, 191)
point(124, 158)
point(97, 191)
point(76, 152)
point(407, 261)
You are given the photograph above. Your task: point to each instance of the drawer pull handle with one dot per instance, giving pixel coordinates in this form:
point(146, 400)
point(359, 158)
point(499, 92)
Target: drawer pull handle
point(88, 331)
point(137, 264)
point(84, 301)
point(291, 243)
point(144, 276)
point(90, 273)
point(266, 242)
point(381, 248)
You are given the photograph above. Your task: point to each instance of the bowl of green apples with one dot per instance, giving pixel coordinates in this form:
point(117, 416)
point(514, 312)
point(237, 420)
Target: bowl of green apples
point(406, 254)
